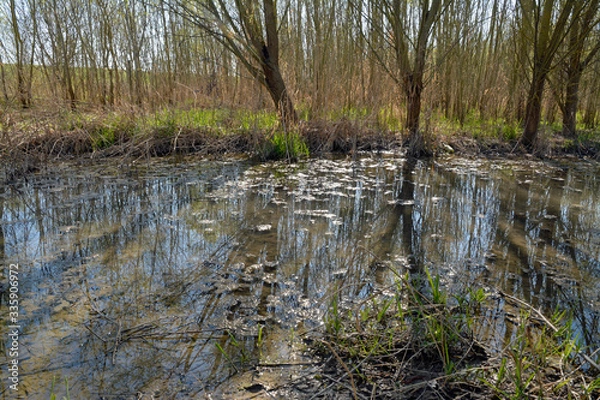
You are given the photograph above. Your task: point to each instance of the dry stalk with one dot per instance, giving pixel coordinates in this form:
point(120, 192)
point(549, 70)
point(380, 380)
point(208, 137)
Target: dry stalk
point(343, 364)
point(548, 323)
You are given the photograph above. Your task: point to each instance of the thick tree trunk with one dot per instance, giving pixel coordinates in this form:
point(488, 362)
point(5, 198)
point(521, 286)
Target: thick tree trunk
point(533, 111)
point(413, 97)
point(278, 91)
point(571, 103)
point(415, 143)
point(269, 58)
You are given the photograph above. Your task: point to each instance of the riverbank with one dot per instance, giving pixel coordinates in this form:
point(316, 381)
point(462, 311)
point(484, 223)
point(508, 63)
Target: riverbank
point(421, 342)
point(31, 138)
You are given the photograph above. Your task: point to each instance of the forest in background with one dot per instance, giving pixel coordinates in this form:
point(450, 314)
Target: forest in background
point(513, 67)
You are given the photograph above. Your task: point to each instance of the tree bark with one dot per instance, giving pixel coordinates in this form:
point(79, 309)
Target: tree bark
point(413, 111)
point(533, 110)
point(274, 82)
point(278, 91)
point(571, 103)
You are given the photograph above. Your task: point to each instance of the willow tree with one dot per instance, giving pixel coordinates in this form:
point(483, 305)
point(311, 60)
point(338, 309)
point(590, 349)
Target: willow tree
point(248, 29)
point(583, 46)
point(544, 25)
point(23, 87)
point(410, 28)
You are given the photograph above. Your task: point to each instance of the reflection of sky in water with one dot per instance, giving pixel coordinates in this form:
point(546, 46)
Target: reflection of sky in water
point(128, 273)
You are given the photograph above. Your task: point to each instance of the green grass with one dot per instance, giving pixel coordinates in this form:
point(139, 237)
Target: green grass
point(244, 351)
point(419, 313)
point(53, 395)
point(351, 113)
point(288, 145)
point(422, 330)
point(283, 146)
point(260, 131)
point(219, 120)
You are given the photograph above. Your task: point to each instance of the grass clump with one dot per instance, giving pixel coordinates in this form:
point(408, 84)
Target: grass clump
point(284, 146)
point(422, 343)
point(401, 345)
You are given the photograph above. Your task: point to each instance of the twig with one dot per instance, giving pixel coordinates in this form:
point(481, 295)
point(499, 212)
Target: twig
point(547, 322)
point(355, 391)
point(117, 342)
point(94, 333)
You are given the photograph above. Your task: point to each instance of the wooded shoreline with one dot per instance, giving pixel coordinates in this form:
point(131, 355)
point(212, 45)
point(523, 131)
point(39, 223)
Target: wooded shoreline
point(31, 139)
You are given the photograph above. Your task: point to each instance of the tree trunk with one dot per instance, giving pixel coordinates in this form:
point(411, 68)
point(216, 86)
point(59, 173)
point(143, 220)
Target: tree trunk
point(277, 89)
point(571, 103)
point(269, 57)
point(576, 64)
point(533, 110)
point(3, 80)
point(414, 88)
point(69, 88)
point(18, 43)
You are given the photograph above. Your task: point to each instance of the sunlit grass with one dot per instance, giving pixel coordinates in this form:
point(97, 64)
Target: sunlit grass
point(420, 329)
point(284, 146)
point(219, 120)
point(100, 129)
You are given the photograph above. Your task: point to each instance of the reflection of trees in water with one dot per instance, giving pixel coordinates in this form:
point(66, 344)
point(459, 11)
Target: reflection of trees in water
point(146, 252)
point(534, 218)
point(527, 223)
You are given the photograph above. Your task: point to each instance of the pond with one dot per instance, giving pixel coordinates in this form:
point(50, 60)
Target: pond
point(165, 277)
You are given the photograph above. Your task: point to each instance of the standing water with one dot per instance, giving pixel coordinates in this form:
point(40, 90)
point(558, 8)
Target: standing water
point(164, 278)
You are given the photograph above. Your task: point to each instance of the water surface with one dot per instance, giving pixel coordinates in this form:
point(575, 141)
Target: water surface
point(168, 277)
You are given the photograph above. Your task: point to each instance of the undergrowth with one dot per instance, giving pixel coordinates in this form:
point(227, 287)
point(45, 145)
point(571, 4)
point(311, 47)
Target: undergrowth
point(421, 342)
point(284, 146)
point(31, 137)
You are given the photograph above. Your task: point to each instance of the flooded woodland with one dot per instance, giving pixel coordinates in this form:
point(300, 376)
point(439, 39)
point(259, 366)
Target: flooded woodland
point(182, 278)
point(300, 199)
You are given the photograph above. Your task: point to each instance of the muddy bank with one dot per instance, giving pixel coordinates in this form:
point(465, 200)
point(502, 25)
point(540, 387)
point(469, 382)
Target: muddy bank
point(30, 147)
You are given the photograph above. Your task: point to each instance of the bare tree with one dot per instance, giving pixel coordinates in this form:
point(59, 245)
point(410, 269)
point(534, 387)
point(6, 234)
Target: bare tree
point(410, 29)
point(252, 34)
point(544, 24)
point(583, 46)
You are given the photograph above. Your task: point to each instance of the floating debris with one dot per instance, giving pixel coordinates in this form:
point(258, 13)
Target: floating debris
point(339, 273)
point(263, 228)
point(401, 202)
